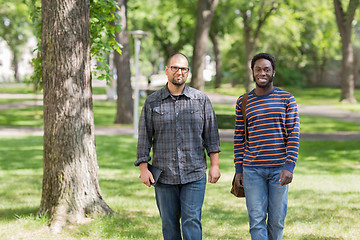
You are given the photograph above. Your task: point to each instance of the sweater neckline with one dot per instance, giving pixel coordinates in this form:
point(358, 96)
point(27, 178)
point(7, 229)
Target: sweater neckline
point(265, 95)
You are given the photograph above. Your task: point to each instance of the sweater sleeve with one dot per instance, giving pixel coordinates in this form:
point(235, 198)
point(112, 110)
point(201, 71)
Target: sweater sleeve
point(239, 138)
point(293, 134)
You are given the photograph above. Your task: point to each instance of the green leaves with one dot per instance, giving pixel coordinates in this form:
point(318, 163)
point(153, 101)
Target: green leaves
point(103, 25)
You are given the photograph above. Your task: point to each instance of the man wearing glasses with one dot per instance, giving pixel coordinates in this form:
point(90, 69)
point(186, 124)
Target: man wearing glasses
point(178, 122)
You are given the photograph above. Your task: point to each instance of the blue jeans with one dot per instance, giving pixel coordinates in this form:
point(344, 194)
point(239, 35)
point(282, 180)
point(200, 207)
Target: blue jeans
point(183, 202)
point(265, 198)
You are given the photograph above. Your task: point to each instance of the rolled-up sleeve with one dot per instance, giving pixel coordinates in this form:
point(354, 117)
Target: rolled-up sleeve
point(210, 133)
point(145, 135)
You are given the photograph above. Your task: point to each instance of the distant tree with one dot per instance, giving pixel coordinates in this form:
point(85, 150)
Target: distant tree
point(216, 46)
point(254, 14)
point(344, 20)
point(15, 29)
point(70, 189)
point(221, 25)
point(205, 14)
point(170, 24)
point(124, 110)
point(305, 44)
point(317, 37)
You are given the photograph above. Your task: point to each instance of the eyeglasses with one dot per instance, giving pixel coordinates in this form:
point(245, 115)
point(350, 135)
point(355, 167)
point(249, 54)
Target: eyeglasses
point(183, 70)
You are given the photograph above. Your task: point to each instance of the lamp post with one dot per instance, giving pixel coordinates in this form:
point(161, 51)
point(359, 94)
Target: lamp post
point(137, 35)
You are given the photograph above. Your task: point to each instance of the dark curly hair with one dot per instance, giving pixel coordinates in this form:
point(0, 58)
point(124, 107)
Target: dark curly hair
point(263, 56)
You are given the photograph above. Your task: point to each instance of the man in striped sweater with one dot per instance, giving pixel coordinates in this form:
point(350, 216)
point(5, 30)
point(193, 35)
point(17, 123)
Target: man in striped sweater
point(265, 162)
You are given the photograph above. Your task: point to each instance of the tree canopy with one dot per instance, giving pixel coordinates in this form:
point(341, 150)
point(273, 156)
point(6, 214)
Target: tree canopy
point(303, 35)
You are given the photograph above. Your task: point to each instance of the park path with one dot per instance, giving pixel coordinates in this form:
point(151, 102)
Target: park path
point(225, 134)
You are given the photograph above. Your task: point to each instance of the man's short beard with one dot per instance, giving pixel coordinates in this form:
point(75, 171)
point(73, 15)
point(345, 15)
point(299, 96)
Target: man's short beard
point(266, 85)
point(176, 83)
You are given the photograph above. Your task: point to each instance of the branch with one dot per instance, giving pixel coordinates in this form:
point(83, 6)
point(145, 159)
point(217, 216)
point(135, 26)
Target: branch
point(262, 19)
point(339, 13)
point(350, 13)
point(245, 20)
point(214, 4)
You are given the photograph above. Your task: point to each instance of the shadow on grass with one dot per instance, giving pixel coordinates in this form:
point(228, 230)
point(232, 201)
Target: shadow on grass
point(125, 224)
point(21, 153)
point(324, 210)
point(222, 214)
point(316, 237)
point(21, 159)
point(225, 121)
point(328, 157)
point(21, 117)
point(14, 213)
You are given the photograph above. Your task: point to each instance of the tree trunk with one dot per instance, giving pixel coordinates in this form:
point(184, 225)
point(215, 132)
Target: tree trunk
point(205, 13)
point(347, 73)
point(218, 76)
point(250, 45)
point(70, 187)
point(251, 35)
point(356, 67)
point(124, 110)
point(344, 21)
point(249, 52)
point(16, 66)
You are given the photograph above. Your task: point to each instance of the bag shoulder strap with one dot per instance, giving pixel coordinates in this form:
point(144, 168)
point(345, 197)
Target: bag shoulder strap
point(243, 111)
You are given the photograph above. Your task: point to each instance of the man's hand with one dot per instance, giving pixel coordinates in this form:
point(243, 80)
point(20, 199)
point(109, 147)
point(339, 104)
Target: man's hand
point(214, 174)
point(145, 175)
point(239, 179)
point(285, 177)
point(214, 171)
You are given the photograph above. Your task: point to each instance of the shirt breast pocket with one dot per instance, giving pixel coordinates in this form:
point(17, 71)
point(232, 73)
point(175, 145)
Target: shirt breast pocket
point(193, 115)
point(161, 117)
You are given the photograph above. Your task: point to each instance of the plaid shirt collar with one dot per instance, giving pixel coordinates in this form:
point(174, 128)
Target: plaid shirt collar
point(165, 93)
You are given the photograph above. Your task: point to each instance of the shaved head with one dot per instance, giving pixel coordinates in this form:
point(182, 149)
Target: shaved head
point(177, 56)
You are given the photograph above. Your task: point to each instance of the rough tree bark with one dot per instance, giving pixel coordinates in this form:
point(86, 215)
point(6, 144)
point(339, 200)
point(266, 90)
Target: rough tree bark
point(124, 110)
point(205, 13)
point(344, 21)
point(70, 187)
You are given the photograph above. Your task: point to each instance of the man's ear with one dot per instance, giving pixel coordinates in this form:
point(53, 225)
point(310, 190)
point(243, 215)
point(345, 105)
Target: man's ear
point(274, 73)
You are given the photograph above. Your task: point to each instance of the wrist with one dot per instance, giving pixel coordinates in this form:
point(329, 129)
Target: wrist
point(143, 166)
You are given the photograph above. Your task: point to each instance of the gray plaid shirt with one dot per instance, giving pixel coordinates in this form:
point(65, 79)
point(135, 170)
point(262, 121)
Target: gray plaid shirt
point(179, 131)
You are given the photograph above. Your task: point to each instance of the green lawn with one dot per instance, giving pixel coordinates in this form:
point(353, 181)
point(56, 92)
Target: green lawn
point(350, 107)
point(306, 96)
point(21, 89)
point(323, 198)
point(5, 100)
point(104, 114)
point(28, 89)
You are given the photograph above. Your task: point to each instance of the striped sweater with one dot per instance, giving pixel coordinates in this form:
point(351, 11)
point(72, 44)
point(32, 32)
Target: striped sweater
point(273, 131)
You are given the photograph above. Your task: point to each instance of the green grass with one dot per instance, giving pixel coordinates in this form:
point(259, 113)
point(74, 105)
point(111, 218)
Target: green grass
point(326, 125)
point(104, 115)
point(306, 96)
point(5, 100)
point(28, 89)
point(309, 96)
point(17, 90)
point(350, 107)
point(323, 198)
